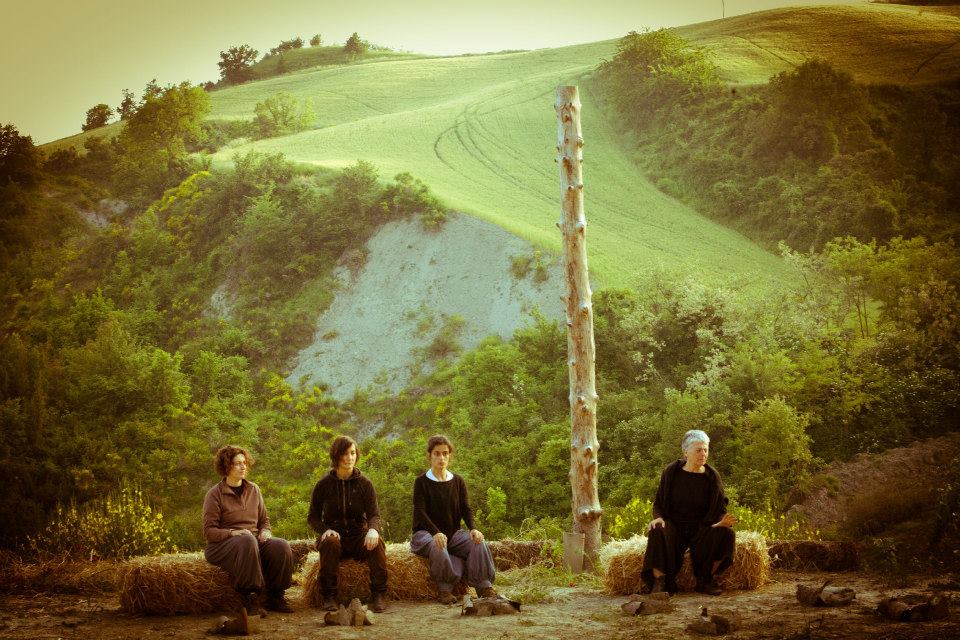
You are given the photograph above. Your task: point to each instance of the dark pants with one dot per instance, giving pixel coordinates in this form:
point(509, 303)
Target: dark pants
point(447, 565)
point(332, 551)
point(253, 565)
point(666, 545)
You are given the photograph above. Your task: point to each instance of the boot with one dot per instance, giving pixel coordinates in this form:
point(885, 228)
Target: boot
point(659, 584)
point(486, 592)
point(276, 601)
point(708, 587)
point(329, 603)
point(447, 597)
point(377, 603)
point(251, 602)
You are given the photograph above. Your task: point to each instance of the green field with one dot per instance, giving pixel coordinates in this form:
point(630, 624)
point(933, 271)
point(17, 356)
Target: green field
point(481, 131)
point(876, 43)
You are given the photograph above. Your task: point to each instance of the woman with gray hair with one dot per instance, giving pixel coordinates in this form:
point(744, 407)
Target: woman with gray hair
point(690, 511)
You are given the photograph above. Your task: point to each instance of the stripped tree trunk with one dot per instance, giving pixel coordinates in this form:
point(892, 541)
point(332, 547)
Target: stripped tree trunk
point(580, 345)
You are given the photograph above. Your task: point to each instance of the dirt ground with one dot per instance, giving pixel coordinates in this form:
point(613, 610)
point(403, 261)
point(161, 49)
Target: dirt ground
point(769, 612)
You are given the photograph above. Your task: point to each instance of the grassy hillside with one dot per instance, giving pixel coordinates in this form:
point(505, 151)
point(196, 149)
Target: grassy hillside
point(307, 57)
point(876, 43)
point(481, 132)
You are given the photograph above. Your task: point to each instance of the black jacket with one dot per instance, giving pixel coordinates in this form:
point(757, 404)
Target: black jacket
point(718, 501)
point(349, 506)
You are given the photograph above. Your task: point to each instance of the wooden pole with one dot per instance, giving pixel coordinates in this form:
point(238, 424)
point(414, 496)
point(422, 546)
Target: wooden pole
point(580, 345)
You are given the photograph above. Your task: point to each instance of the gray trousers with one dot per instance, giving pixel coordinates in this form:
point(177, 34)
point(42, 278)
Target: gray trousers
point(447, 565)
point(253, 565)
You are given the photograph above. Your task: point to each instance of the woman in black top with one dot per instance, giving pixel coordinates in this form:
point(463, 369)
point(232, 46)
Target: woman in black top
point(690, 511)
point(345, 514)
point(440, 504)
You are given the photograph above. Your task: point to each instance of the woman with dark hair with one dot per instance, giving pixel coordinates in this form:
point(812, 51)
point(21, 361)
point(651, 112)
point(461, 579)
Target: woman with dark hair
point(440, 504)
point(344, 512)
point(239, 541)
point(690, 511)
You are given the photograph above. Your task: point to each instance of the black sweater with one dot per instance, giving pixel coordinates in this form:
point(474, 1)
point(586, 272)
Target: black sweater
point(662, 507)
point(440, 506)
point(349, 506)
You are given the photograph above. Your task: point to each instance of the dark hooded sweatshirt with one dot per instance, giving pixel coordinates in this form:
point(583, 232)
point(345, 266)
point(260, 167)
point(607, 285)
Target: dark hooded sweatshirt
point(349, 506)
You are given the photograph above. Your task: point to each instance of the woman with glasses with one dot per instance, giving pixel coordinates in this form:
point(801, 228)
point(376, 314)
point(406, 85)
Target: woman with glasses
point(239, 541)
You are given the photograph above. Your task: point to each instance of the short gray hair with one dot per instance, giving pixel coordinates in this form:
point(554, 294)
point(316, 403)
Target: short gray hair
point(694, 435)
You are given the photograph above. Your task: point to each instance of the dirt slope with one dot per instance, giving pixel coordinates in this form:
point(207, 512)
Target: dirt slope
point(412, 282)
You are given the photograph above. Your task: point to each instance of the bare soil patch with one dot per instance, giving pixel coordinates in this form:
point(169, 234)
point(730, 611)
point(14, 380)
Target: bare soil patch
point(769, 612)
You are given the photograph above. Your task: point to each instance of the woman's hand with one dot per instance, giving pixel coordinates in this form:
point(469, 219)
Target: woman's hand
point(440, 539)
point(476, 535)
point(328, 533)
point(371, 540)
point(265, 535)
point(728, 520)
point(241, 532)
point(659, 522)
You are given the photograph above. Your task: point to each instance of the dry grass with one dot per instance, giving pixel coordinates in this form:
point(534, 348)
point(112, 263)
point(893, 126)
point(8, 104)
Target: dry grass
point(622, 562)
point(58, 575)
point(175, 583)
point(810, 555)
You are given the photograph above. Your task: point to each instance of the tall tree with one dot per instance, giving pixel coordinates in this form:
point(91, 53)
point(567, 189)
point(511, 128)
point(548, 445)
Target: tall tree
point(97, 116)
point(127, 106)
point(355, 45)
point(235, 63)
point(19, 159)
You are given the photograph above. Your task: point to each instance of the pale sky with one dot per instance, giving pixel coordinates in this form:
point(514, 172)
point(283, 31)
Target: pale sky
point(61, 57)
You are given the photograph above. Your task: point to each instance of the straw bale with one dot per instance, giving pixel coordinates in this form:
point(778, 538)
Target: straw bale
point(300, 549)
point(175, 583)
point(622, 562)
point(812, 555)
point(58, 575)
point(512, 554)
point(408, 578)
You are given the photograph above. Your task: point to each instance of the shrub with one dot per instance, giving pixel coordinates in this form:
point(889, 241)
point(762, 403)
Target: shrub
point(119, 526)
point(315, 40)
point(631, 519)
point(282, 114)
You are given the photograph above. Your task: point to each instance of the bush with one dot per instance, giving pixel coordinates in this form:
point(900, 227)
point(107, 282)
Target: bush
point(315, 40)
point(631, 519)
point(118, 526)
point(282, 114)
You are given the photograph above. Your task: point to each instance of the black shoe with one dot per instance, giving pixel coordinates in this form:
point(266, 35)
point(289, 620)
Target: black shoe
point(659, 585)
point(329, 603)
point(708, 587)
point(377, 603)
point(278, 602)
point(251, 602)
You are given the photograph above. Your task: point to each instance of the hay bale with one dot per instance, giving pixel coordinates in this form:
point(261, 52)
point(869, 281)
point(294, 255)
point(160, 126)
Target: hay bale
point(408, 578)
point(300, 550)
point(512, 554)
point(622, 563)
point(175, 583)
point(813, 555)
point(58, 575)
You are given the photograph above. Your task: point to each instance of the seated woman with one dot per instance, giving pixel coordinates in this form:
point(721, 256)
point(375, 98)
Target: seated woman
point(690, 511)
point(237, 530)
point(344, 511)
point(439, 505)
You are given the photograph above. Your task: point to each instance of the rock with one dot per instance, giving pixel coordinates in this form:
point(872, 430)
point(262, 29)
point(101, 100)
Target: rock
point(915, 608)
point(717, 624)
point(647, 604)
point(825, 596)
point(355, 615)
point(495, 606)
